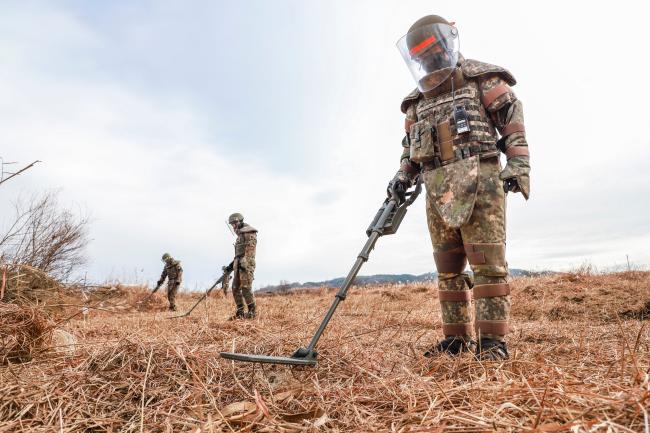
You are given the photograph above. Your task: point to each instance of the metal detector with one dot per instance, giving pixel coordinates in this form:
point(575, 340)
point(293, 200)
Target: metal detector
point(146, 298)
point(386, 222)
point(205, 295)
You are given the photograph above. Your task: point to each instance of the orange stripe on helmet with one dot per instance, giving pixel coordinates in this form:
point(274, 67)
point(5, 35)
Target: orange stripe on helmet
point(422, 45)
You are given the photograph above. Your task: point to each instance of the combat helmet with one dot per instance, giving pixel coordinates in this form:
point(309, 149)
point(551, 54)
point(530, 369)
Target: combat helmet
point(235, 218)
point(430, 50)
point(419, 38)
point(166, 257)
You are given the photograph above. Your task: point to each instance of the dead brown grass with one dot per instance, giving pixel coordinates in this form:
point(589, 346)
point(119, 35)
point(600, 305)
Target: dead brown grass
point(25, 284)
point(23, 331)
point(579, 362)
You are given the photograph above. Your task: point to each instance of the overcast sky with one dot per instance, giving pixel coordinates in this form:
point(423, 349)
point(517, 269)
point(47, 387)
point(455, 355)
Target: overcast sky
point(160, 118)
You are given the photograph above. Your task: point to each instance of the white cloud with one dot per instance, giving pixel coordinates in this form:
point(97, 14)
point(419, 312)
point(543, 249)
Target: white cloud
point(160, 171)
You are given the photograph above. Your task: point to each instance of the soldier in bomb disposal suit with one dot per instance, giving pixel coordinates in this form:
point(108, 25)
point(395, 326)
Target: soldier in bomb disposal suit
point(174, 274)
point(243, 266)
point(459, 119)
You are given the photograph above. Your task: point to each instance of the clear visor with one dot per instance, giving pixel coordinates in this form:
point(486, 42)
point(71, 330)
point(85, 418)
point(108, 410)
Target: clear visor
point(431, 54)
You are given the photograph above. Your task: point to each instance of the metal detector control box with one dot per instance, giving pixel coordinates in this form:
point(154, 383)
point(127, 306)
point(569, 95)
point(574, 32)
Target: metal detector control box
point(392, 222)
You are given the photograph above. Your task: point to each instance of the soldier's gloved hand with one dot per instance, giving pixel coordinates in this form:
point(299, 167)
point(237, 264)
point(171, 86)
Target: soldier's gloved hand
point(398, 186)
point(516, 175)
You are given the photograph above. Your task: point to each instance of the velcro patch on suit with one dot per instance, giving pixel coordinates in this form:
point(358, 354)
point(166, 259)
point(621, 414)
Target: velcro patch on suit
point(407, 124)
point(513, 151)
point(491, 95)
point(491, 290)
point(511, 128)
point(445, 141)
point(486, 254)
point(452, 329)
point(450, 262)
point(495, 327)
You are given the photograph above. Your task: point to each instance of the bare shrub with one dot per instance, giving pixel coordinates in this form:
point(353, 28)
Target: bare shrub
point(45, 236)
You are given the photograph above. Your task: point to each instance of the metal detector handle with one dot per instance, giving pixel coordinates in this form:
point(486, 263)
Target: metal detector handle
point(413, 195)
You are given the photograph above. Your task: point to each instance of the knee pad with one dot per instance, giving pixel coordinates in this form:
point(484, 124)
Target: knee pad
point(487, 260)
point(451, 261)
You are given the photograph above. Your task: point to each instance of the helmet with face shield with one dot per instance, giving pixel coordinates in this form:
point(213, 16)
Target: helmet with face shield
point(430, 50)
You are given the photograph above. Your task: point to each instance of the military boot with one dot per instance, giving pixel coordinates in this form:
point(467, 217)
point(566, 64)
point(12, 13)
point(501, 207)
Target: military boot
point(252, 312)
point(239, 314)
point(451, 346)
point(490, 349)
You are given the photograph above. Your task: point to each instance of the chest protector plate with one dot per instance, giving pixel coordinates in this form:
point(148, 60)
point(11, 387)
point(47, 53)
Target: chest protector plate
point(174, 270)
point(246, 242)
point(435, 135)
point(240, 245)
point(434, 139)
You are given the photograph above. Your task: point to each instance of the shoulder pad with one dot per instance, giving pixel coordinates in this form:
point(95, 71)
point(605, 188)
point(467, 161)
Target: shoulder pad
point(410, 98)
point(176, 263)
point(247, 229)
point(474, 69)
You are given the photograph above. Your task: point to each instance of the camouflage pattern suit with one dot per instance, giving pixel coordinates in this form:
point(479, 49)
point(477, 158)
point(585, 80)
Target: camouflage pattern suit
point(174, 273)
point(464, 180)
point(244, 268)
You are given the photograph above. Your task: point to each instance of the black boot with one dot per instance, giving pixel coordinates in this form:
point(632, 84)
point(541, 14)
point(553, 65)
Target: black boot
point(451, 346)
point(252, 313)
point(239, 314)
point(490, 349)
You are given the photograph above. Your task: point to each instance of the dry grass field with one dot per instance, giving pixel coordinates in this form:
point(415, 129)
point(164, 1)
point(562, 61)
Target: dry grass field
point(580, 362)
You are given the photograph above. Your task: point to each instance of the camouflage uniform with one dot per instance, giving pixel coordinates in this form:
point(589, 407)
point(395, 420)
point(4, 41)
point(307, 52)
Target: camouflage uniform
point(466, 203)
point(244, 268)
point(174, 272)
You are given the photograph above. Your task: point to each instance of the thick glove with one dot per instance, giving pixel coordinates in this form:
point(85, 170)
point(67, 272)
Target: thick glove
point(398, 186)
point(227, 269)
point(225, 282)
point(516, 177)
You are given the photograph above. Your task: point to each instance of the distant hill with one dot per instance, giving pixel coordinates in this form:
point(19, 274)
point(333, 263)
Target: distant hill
point(363, 280)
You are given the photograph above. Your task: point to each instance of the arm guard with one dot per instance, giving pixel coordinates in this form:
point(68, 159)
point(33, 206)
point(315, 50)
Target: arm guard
point(162, 276)
point(407, 169)
point(507, 114)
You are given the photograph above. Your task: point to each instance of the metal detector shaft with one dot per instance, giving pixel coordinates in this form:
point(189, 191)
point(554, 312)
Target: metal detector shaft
point(146, 298)
point(349, 280)
point(205, 295)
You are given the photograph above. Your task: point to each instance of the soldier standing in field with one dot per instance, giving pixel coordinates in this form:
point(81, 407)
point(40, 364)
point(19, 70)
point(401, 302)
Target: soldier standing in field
point(459, 119)
point(243, 266)
point(174, 274)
